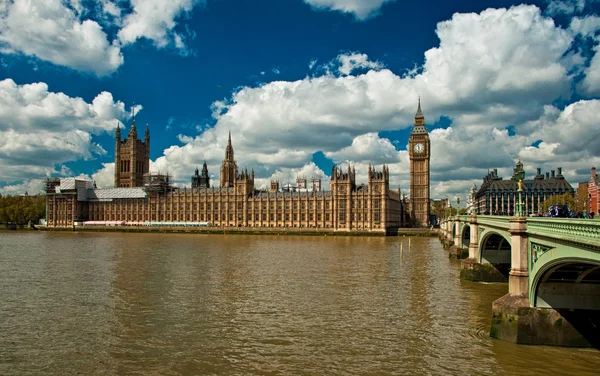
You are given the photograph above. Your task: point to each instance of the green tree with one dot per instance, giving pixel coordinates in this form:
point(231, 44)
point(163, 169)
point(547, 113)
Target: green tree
point(438, 208)
point(565, 198)
point(22, 209)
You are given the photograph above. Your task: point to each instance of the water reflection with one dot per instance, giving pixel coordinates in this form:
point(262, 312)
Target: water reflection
point(237, 305)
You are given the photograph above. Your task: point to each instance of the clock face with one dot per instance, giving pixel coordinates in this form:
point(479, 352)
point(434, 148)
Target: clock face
point(418, 148)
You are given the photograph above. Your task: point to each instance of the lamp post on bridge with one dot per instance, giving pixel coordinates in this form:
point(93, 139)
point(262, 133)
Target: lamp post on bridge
point(519, 212)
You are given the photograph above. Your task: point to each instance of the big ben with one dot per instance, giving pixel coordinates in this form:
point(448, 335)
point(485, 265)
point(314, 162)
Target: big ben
point(419, 152)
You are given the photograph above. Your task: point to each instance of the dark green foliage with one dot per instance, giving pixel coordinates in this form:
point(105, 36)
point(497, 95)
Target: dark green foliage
point(22, 209)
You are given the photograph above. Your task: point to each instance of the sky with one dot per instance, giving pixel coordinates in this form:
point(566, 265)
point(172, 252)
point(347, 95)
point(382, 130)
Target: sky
point(301, 85)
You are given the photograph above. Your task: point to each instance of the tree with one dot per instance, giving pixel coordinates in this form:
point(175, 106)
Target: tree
point(438, 208)
point(450, 212)
point(22, 209)
point(564, 199)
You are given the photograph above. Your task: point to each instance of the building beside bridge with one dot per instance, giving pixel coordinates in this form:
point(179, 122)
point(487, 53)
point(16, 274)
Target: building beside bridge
point(593, 199)
point(498, 196)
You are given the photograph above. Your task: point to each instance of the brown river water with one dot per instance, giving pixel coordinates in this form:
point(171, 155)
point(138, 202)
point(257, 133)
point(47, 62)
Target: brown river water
point(191, 304)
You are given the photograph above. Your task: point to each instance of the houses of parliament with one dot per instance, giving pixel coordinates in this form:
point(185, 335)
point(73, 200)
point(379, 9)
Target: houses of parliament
point(141, 198)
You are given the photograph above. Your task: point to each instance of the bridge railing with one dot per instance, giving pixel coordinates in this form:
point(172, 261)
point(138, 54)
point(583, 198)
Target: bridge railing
point(498, 221)
point(582, 231)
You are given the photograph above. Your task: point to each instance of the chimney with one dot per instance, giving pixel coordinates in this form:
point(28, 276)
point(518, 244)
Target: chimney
point(539, 171)
point(593, 172)
point(495, 172)
point(560, 171)
point(552, 173)
point(547, 175)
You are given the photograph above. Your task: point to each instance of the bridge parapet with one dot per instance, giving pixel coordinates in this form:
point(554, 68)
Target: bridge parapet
point(495, 221)
point(582, 231)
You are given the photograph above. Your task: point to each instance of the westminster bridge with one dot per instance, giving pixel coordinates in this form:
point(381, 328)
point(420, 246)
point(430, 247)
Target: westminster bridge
point(552, 266)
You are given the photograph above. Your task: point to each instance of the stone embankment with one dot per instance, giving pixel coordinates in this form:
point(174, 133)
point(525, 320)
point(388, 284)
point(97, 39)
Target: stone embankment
point(243, 230)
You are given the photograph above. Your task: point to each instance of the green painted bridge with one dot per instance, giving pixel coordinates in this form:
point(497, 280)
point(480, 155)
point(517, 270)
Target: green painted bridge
point(553, 270)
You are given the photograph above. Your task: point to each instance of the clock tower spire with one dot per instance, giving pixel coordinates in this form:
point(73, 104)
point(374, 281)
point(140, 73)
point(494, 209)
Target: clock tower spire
point(419, 152)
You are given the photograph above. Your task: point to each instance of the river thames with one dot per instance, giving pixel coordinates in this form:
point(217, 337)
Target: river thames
point(190, 304)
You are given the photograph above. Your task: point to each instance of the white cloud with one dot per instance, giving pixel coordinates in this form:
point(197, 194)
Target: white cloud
point(353, 61)
point(588, 27)
point(567, 7)
point(156, 20)
point(360, 9)
point(61, 32)
point(494, 69)
point(53, 32)
point(41, 130)
point(591, 83)
point(288, 176)
point(32, 107)
point(367, 147)
point(105, 177)
point(574, 131)
point(112, 9)
point(32, 187)
point(491, 70)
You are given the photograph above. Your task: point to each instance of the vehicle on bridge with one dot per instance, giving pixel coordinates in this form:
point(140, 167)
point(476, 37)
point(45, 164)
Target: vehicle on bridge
point(560, 211)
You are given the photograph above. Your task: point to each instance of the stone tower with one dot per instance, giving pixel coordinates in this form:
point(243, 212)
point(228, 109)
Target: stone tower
point(201, 180)
point(228, 167)
point(379, 186)
point(419, 152)
point(342, 185)
point(132, 158)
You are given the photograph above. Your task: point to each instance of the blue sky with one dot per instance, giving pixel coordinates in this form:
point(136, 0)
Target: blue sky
point(301, 84)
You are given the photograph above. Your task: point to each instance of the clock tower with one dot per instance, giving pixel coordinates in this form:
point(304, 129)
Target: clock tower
point(419, 152)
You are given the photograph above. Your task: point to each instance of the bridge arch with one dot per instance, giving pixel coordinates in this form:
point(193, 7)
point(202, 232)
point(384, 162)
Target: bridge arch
point(571, 286)
point(465, 236)
point(495, 248)
point(567, 283)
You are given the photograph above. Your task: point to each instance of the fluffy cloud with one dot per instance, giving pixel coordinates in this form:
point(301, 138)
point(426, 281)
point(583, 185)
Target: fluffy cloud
point(565, 6)
point(351, 62)
point(105, 177)
point(574, 131)
point(32, 187)
point(568, 7)
point(53, 32)
point(360, 9)
point(491, 70)
point(499, 68)
point(288, 176)
point(41, 129)
point(368, 147)
point(588, 27)
point(62, 32)
point(31, 107)
point(155, 20)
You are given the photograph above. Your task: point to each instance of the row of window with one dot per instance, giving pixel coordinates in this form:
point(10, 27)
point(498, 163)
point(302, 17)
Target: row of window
point(223, 217)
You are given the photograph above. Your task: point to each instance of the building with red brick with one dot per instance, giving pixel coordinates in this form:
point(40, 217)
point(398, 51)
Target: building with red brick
point(593, 204)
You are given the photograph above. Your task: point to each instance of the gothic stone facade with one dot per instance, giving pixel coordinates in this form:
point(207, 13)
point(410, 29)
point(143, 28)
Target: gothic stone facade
point(132, 158)
point(420, 155)
point(235, 203)
point(201, 180)
point(498, 196)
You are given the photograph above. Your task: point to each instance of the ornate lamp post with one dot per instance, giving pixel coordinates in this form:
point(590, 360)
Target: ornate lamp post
point(585, 208)
point(519, 212)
